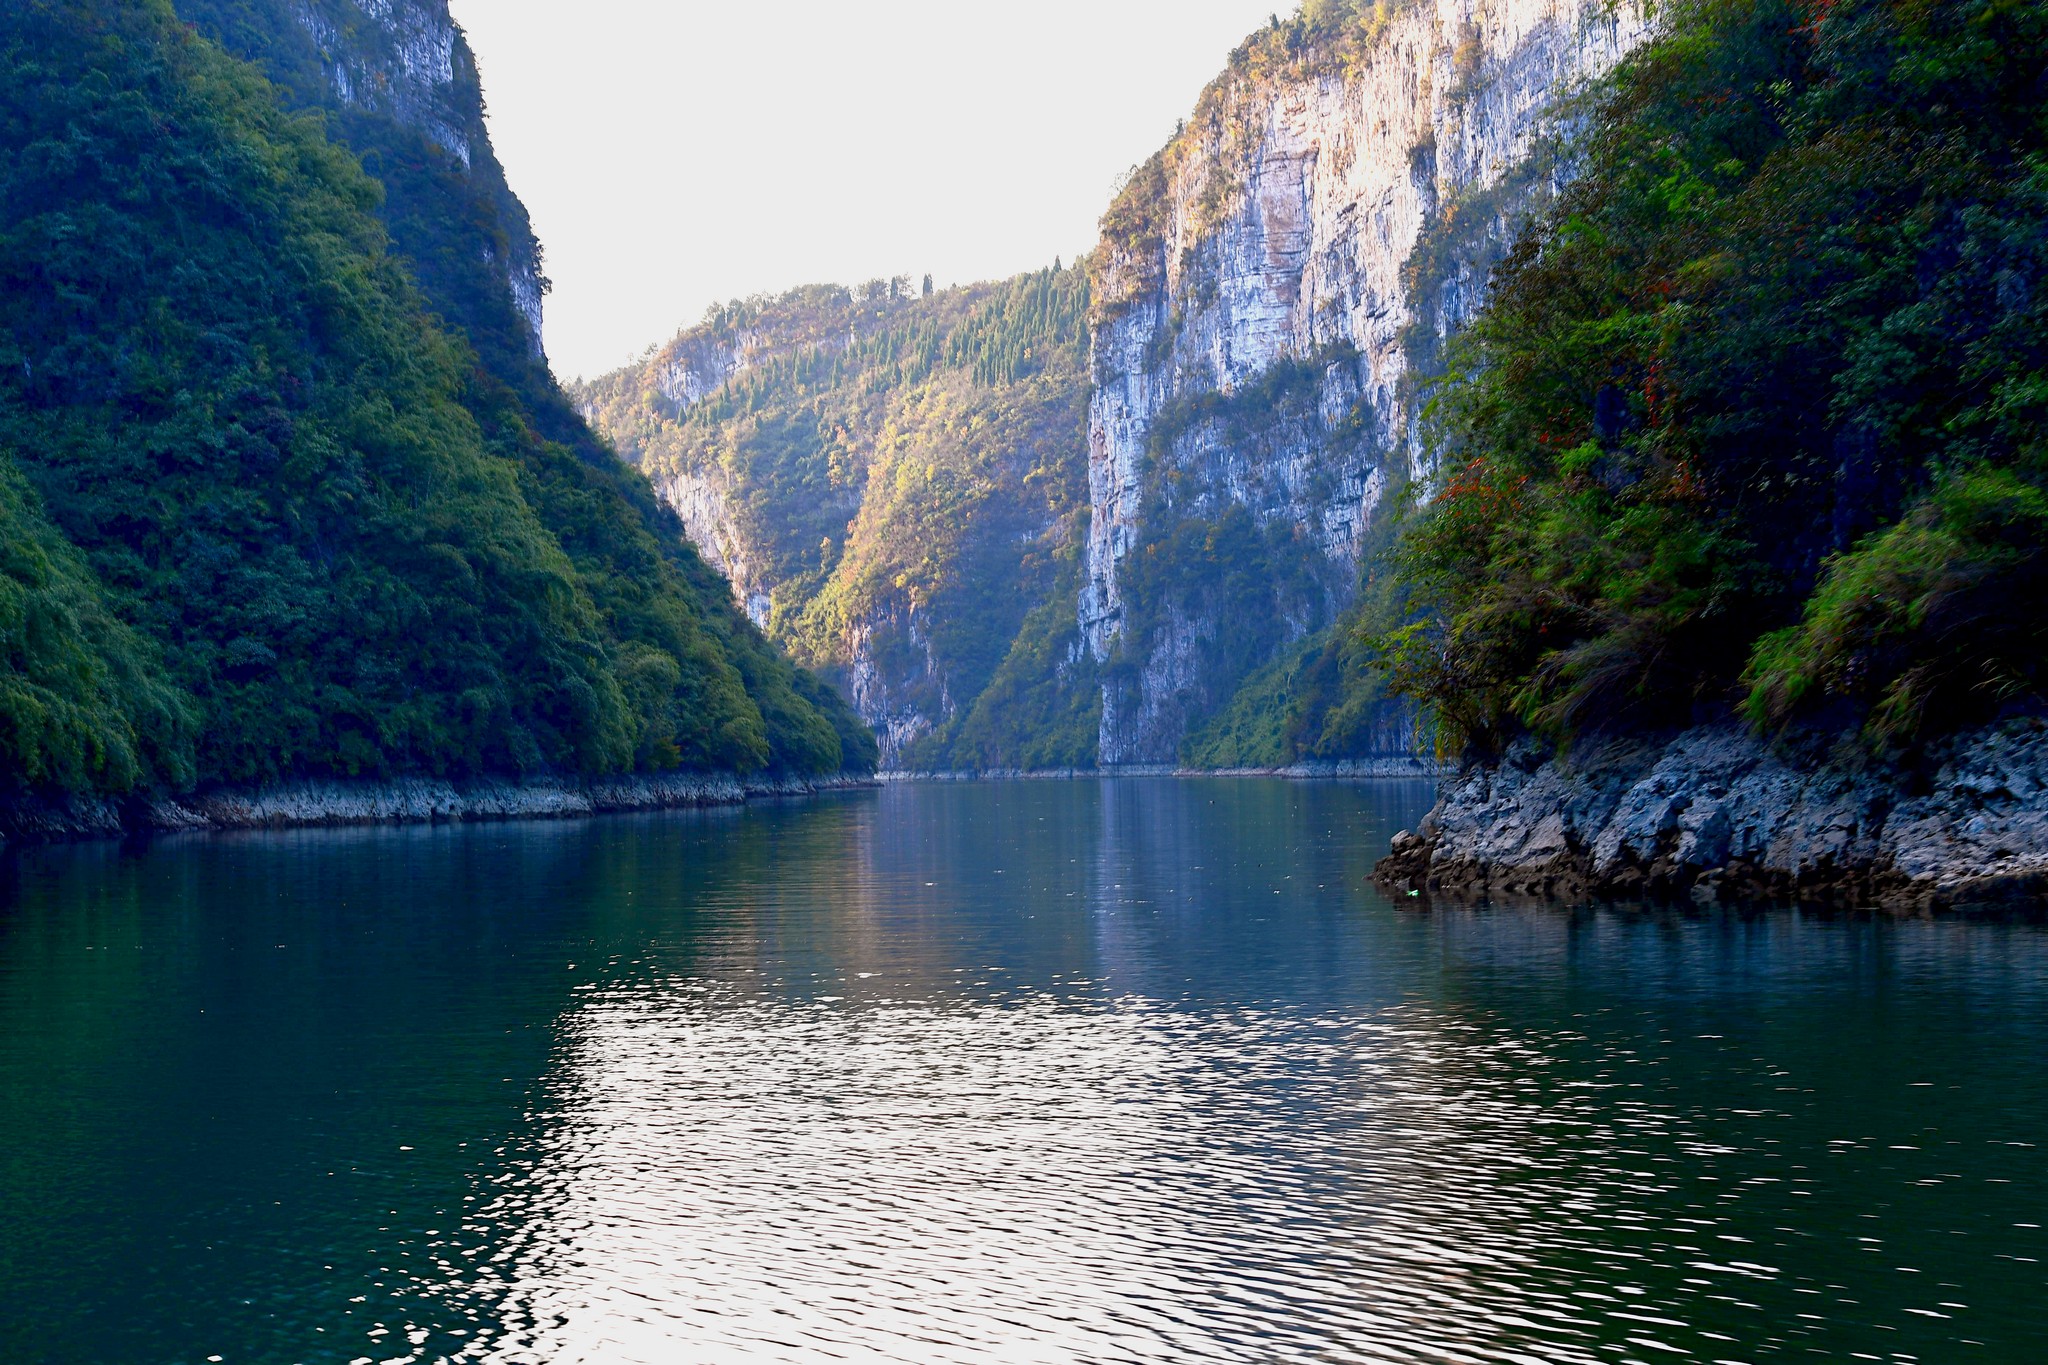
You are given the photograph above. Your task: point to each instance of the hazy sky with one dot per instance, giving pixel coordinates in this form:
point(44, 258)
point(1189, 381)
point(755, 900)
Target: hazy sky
point(679, 154)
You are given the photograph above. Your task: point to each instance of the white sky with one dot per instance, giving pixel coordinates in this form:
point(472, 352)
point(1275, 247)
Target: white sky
point(675, 155)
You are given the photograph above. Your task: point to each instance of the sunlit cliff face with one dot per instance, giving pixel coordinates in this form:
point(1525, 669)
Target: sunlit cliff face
point(1318, 228)
point(1344, 220)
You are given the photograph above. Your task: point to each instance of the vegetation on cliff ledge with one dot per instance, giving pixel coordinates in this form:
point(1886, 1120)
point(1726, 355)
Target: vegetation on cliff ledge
point(263, 517)
point(1206, 158)
point(1754, 420)
point(898, 478)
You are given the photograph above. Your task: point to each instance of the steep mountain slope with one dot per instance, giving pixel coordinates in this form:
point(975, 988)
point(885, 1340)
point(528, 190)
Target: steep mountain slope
point(272, 521)
point(894, 482)
point(400, 86)
point(1270, 289)
point(1757, 413)
point(1268, 305)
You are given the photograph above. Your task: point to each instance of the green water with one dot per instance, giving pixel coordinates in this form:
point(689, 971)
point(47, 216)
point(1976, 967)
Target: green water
point(1060, 1072)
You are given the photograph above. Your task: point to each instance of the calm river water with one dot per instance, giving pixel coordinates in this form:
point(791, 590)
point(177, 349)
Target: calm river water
point(1040, 1072)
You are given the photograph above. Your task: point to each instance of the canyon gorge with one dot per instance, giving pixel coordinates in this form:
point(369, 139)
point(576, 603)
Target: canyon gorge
point(1224, 431)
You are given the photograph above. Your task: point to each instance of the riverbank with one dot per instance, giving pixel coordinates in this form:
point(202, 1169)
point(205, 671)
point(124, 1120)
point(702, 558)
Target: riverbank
point(1719, 815)
point(1409, 767)
point(403, 801)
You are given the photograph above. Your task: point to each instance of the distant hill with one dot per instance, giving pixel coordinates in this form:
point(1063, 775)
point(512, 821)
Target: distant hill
point(1182, 508)
point(896, 483)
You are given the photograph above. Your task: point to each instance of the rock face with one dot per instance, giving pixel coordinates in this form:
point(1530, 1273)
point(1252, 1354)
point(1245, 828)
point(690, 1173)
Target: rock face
point(402, 79)
point(641, 408)
point(1266, 308)
point(1267, 292)
point(703, 501)
point(402, 65)
point(1717, 813)
point(412, 65)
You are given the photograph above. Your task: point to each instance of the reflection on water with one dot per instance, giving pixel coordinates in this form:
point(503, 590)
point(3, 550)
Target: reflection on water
point(1035, 1183)
point(1136, 1071)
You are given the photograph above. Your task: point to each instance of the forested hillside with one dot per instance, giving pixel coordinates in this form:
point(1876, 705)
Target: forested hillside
point(1729, 344)
point(399, 87)
point(1205, 584)
point(1755, 421)
point(896, 482)
point(266, 517)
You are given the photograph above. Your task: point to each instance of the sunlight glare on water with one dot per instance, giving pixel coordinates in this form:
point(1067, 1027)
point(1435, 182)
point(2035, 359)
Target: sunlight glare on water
point(1137, 1071)
point(1022, 1181)
point(1045, 1181)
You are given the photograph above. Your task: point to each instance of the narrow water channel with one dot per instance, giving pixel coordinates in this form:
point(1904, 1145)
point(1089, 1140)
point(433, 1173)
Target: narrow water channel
point(1033, 1072)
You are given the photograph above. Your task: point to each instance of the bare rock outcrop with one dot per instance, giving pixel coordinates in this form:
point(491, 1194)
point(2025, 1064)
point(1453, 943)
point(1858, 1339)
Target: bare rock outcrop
point(1310, 237)
point(399, 801)
point(1720, 814)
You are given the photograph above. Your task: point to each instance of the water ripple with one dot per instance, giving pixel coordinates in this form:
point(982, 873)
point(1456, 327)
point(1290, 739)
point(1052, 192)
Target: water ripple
point(1033, 1180)
point(1060, 1073)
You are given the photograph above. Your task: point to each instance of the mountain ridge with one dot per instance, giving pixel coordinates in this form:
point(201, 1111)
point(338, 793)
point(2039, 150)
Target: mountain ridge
point(893, 479)
point(1249, 427)
point(277, 521)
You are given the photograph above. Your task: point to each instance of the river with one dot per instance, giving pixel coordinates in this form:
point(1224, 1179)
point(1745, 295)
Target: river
point(1126, 1071)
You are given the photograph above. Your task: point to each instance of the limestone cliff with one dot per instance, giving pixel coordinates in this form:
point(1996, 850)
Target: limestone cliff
point(754, 508)
point(1269, 300)
point(417, 69)
point(1269, 290)
point(402, 86)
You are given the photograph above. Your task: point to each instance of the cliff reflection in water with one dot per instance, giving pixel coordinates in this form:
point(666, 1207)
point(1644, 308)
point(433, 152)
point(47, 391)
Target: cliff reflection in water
point(1134, 1071)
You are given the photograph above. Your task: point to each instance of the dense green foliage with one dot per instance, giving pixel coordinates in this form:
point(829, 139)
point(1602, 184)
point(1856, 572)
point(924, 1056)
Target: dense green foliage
point(303, 516)
point(903, 474)
point(453, 219)
point(1042, 710)
point(463, 235)
point(1326, 699)
point(81, 704)
point(1754, 417)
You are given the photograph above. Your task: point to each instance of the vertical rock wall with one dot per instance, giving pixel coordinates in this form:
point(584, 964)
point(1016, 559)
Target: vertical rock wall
point(1268, 291)
point(1270, 301)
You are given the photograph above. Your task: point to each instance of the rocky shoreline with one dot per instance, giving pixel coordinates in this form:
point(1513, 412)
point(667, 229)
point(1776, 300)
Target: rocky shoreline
point(1411, 766)
point(1717, 814)
point(402, 801)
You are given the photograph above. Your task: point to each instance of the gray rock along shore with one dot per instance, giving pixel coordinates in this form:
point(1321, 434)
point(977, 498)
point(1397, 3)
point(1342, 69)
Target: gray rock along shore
point(1414, 766)
point(1719, 814)
point(404, 801)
